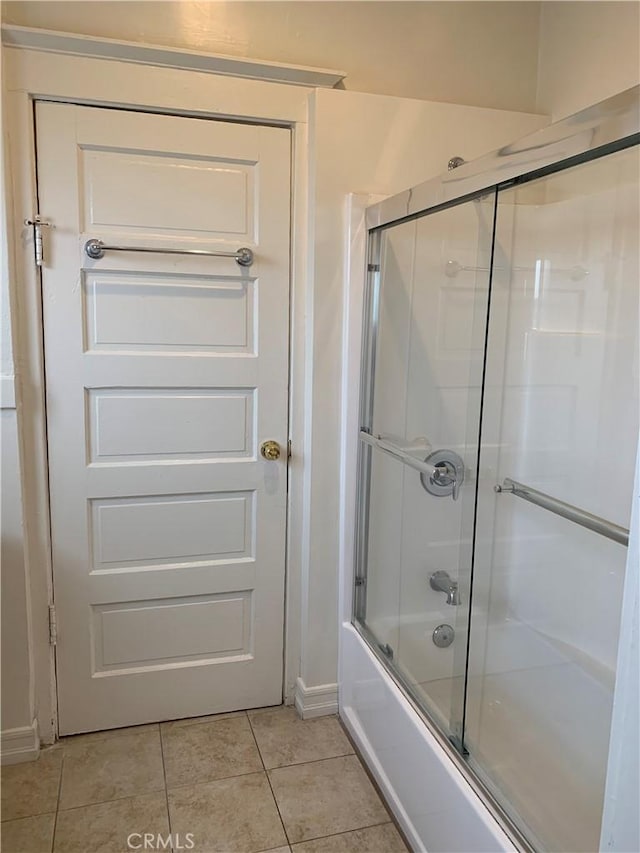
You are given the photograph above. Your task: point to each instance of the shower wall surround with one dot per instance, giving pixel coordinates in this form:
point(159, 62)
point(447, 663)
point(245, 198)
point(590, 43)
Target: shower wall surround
point(503, 327)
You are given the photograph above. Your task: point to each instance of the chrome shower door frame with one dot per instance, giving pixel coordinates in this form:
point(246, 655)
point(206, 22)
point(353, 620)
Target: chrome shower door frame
point(602, 129)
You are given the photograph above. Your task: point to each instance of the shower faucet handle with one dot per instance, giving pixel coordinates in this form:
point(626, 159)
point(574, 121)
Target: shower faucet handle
point(455, 491)
point(448, 475)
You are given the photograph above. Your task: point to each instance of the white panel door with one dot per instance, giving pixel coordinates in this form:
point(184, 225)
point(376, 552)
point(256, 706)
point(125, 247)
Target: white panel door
point(164, 374)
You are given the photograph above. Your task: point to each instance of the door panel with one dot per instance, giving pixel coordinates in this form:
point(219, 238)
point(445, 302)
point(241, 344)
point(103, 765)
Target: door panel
point(164, 373)
point(216, 315)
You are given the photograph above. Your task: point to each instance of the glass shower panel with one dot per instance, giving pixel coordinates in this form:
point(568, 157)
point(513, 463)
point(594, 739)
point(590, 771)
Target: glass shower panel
point(560, 416)
point(429, 322)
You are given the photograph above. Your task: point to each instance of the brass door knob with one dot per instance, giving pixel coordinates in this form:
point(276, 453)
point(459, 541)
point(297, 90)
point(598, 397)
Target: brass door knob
point(270, 450)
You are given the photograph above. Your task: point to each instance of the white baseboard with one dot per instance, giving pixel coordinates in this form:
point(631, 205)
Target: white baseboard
point(316, 701)
point(18, 745)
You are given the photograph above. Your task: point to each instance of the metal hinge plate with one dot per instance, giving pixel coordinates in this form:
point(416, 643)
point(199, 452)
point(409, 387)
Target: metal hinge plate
point(53, 626)
point(38, 223)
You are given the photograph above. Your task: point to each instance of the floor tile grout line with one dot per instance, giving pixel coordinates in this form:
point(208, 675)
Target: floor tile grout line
point(114, 799)
point(273, 794)
point(55, 820)
point(235, 715)
point(213, 781)
point(26, 816)
point(166, 790)
point(312, 761)
point(90, 738)
point(344, 832)
point(248, 773)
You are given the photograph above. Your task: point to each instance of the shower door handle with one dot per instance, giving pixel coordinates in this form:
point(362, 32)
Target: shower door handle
point(393, 450)
point(441, 479)
point(444, 478)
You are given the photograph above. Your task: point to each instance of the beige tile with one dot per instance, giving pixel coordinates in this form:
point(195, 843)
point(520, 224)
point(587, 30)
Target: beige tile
point(375, 839)
point(267, 709)
point(326, 797)
point(209, 751)
point(28, 835)
point(91, 737)
point(277, 850)
point(236, 815)
point(194, 721)
point(95, 771)
point(283, 738)
point(31, 788)
point(105, 827)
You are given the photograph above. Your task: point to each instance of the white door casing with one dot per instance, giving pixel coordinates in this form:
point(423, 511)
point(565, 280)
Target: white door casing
point(164, 373)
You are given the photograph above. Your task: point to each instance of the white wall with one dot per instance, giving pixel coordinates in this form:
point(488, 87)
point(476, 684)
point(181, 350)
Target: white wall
point(372, 145)
point(482, 53)
point(16, 712)
point(588, 52)
point(16, 704)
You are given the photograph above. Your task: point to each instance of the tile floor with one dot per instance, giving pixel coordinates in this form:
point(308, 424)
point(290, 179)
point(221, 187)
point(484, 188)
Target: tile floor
point(247, 782)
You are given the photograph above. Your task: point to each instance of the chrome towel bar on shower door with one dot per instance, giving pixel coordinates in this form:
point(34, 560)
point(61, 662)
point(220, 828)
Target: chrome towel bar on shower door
point(393, 450)
point(568, 511)
point(442, 479)
point(95, 250)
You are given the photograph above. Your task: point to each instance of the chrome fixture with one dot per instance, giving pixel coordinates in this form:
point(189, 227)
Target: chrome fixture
point(441, 473)
point(443, 636)
point(38, 223)
point(95, 250)
point(571, 513)
point(454, 162)
point(442, 470)
point(442, 582)
point(449, 474)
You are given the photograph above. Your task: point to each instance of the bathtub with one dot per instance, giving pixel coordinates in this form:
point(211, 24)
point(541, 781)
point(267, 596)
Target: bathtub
point(513, 734)
point(432, 800)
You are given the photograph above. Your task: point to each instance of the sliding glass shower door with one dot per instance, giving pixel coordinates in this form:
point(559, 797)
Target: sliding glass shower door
point(499, 426)
point(419, 442)
point(561, 422)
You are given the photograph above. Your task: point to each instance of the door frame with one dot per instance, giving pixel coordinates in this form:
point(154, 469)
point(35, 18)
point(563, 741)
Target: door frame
point(32, 75)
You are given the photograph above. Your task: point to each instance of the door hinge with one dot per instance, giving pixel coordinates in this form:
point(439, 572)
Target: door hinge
point(53, 626)
point(38, 224)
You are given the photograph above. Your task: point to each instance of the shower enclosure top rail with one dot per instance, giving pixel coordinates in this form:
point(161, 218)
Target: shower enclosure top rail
point(571, 513)
point(609, 125)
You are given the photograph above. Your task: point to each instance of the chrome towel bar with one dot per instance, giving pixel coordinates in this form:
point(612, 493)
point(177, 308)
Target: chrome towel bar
point(95, 250)
point(571, 513)
point(393, 450)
